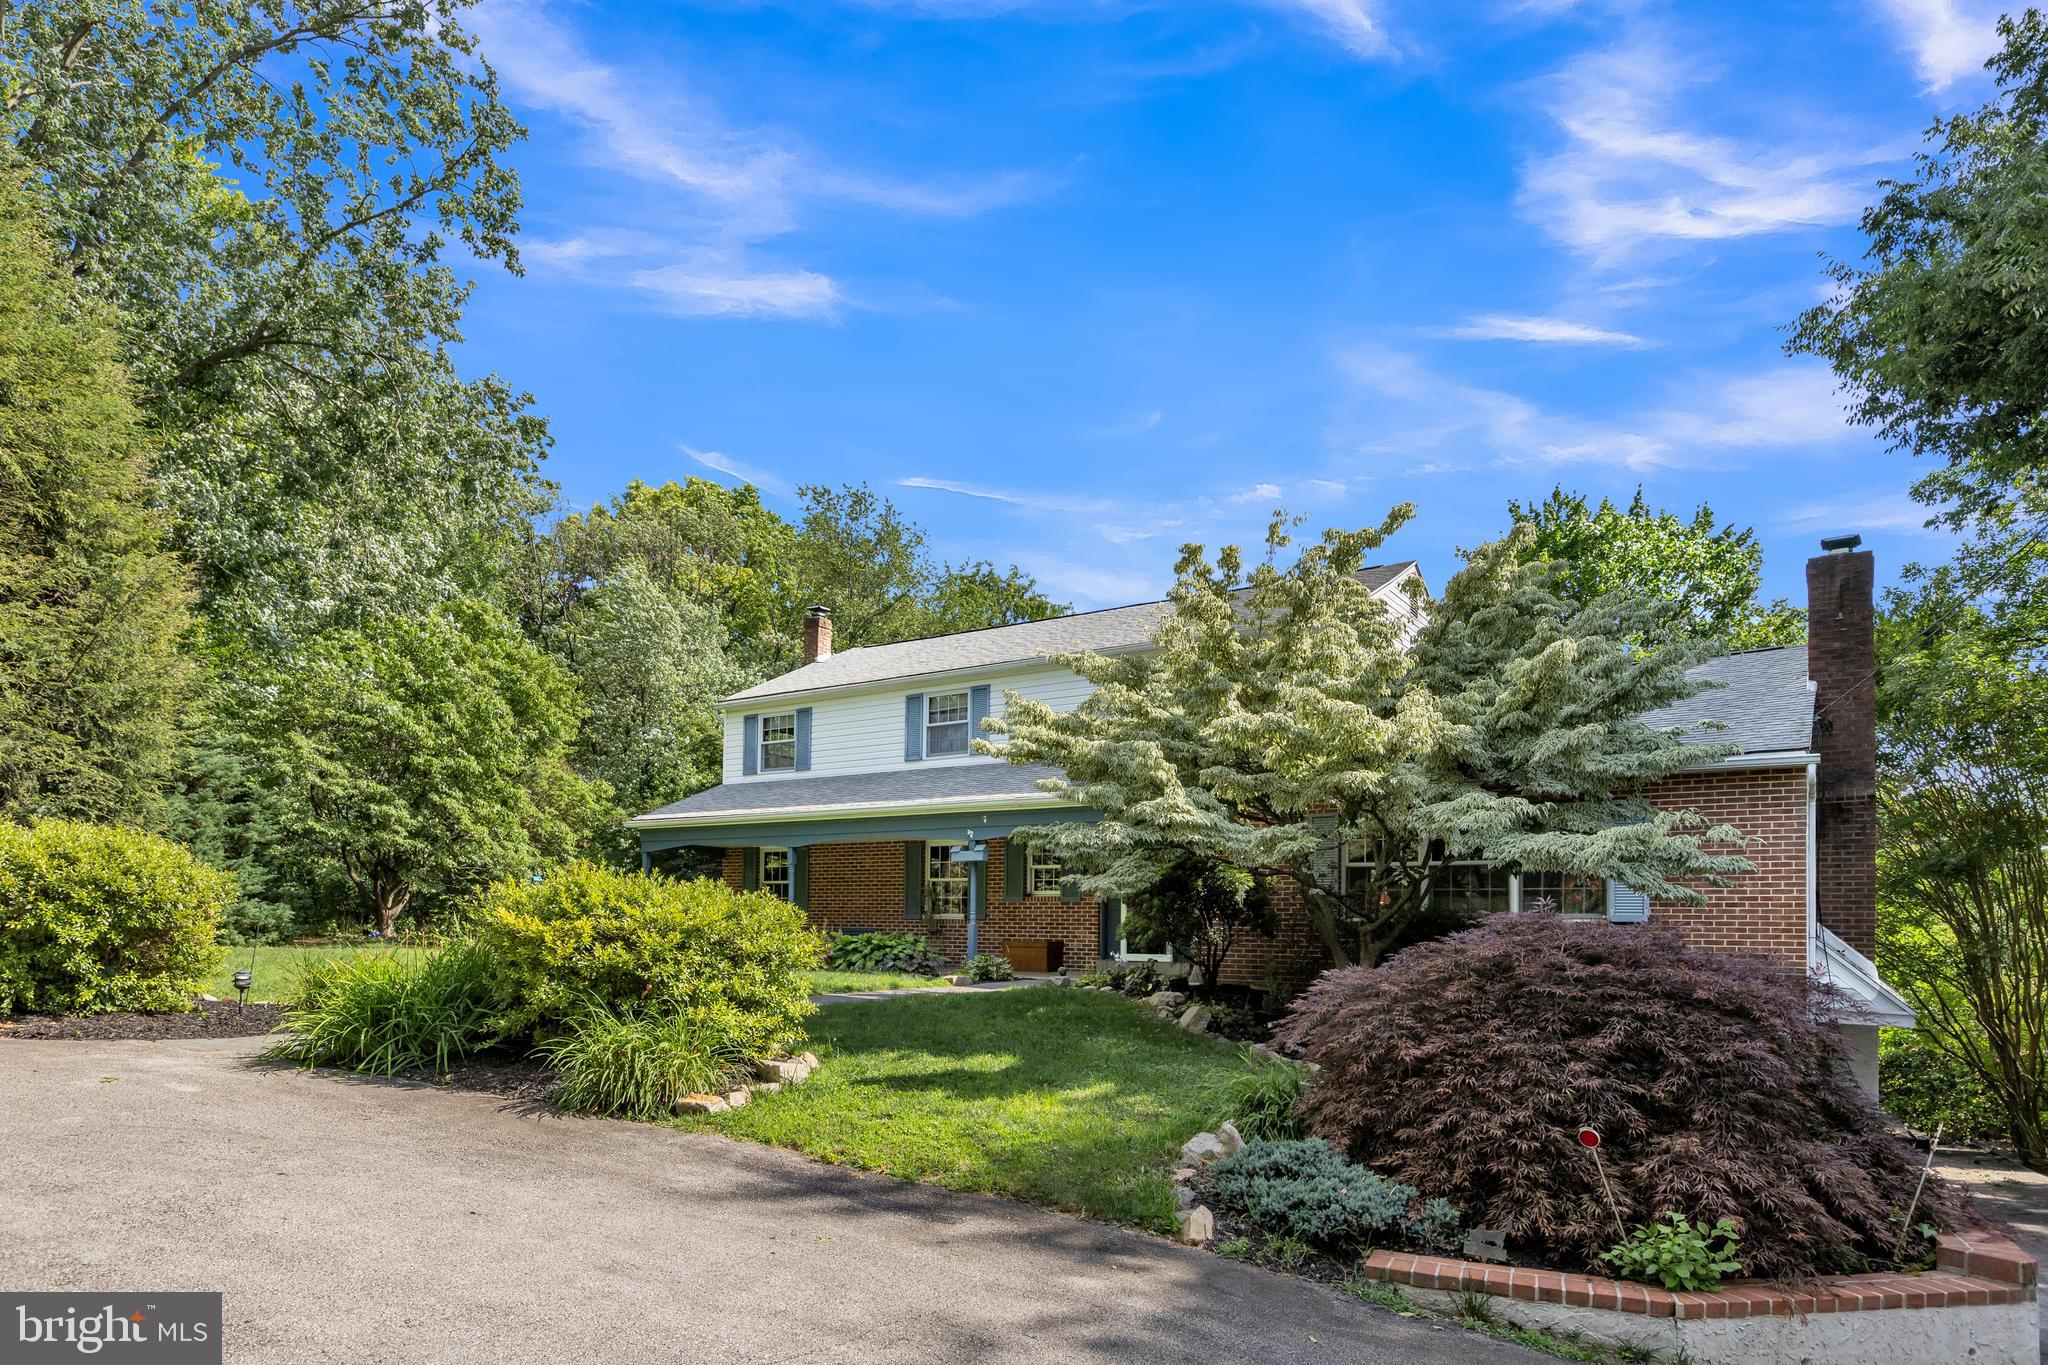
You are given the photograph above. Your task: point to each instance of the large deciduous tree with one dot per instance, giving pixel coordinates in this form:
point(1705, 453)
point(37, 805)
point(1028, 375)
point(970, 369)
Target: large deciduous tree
point(1941, 334)
point(1963, 836)
point(424, 755)
point(1274, 720)
point(91, 603)
point(1706, 572)
point(264, 189)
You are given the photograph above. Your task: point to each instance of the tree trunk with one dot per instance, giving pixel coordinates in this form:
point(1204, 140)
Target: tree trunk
point(2029, 1138)
point(391, 903)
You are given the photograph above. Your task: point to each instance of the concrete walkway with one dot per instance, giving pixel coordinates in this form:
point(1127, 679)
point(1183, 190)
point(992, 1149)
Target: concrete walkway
point(841, 997)
point(359, 1221)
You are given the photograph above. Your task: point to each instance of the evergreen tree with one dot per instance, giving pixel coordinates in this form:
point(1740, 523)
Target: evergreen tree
point(1272, 721)
point(91, 604)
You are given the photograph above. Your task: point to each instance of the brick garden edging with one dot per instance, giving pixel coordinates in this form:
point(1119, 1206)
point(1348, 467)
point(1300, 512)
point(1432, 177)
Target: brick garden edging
point(1989, 1279)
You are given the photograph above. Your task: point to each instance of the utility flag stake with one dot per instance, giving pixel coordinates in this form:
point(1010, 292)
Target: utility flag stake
point(1589, 1138)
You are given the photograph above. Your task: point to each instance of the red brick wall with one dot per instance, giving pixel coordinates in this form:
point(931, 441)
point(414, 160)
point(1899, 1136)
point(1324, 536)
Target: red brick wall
point(860, 886)
point(1762, 911)
point(1841, 658)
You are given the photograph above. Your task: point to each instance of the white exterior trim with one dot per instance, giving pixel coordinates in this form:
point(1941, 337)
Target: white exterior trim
point(762, 817)
point(1777, 758)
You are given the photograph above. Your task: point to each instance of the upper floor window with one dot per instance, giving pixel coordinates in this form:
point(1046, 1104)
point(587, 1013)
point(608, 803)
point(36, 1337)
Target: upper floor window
point(1045, 872)
point(775, 874)
point(945, 724)
point(778, 742)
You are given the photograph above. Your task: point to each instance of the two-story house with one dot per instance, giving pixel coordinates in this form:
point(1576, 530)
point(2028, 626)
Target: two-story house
point(851, 788)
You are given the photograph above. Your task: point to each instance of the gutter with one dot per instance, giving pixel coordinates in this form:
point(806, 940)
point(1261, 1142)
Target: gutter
point(1773, 758)
point(753, 817)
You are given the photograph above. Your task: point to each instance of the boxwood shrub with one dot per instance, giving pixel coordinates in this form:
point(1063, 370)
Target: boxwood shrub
point(589, 935)
point(94, 918)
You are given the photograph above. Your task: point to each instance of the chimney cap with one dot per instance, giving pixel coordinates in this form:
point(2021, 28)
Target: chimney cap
point(1840, 545)
point(819, 611)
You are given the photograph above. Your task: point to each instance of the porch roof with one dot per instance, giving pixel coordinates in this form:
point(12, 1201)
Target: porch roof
point(950, 792)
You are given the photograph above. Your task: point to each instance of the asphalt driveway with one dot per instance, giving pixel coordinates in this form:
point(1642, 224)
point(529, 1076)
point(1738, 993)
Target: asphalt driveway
point(368, 1221)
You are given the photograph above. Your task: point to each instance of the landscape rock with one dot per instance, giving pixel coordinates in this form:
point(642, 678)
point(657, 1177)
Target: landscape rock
point(1197, 1225)
point(701, 1104)
point(1183, 1197)
point(765, 1087)
point(1202, 1148)
point(785, 1070)
point(1184, 1173)
point(956, 979)
point(1168, 1000)
point(809, 1059)
point(1232, 1140)
point(1196, 1020)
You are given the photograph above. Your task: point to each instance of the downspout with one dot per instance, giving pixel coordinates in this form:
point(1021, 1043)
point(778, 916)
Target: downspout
point(1813, 870)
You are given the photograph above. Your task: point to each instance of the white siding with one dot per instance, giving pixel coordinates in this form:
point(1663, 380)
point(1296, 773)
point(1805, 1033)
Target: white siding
point(863, 733)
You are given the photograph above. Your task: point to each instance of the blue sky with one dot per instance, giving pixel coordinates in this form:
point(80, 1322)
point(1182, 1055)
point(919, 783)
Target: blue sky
point(1075, 281)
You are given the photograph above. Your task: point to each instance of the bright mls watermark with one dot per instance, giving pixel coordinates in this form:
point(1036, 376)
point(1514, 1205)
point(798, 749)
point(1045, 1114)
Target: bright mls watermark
point(164, 1329)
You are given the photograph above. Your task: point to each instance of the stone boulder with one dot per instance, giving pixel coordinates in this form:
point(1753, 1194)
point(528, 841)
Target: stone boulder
point(701, 1104)
point(1197, 1225)
point(1196, 1019)
point(1232, 1140)
point(1202, 1148)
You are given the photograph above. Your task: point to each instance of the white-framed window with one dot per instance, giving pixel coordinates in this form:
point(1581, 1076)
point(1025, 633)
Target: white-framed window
point(778, 742)
point(1042, 874)
point(775, 873)
point(945, 881)
point(945, 724)
point(1563, 893)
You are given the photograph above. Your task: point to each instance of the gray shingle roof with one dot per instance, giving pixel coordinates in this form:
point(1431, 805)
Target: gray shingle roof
point(1764, 703)
point(1110, 629)
point(847, 792)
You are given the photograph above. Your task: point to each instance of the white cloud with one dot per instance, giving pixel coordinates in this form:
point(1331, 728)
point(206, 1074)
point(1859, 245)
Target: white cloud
point(1258, 492)
point(1135, 426)
point(734, 469)
point(1087, 587)
point(1946, 39)
point(1430, 467)
point(1124, 535)
point(1542, 330)
point(1037, 502)
point(731, 189)
point(1882, 512)
point(1424, 410)
point(713, 288)
point(1631, 172)
point(1327, 488)
point(1353, 23)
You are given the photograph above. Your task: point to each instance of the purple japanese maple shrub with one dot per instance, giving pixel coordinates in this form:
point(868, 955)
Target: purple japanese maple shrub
point(1467, 1066)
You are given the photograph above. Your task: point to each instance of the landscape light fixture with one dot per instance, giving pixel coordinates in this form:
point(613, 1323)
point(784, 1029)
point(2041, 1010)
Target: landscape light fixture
point(243, 978)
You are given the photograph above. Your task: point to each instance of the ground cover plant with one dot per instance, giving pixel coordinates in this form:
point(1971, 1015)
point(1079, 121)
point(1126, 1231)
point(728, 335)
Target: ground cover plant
point(886, 952)
point(1074, 1100)
point(1304, 1190)
point(1467, 1066)
point(94, 918)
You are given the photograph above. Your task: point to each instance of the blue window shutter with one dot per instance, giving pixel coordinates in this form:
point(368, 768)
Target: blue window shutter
point(1069, 893)
point(750, 869)
point(913, 881)
point(1016, 858)
point(913, 727)
point(1111, 917)
point(800, 877)
point(977, 709)
point(750, 746)
point(1625, 905)
point(803, 739)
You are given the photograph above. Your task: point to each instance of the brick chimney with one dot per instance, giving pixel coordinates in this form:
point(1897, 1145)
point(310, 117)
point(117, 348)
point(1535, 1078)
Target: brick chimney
point(817, 634)
point(1841, 659)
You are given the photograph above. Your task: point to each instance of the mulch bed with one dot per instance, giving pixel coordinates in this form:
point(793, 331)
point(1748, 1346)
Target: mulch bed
point(212, 1019)
point(505, 1075)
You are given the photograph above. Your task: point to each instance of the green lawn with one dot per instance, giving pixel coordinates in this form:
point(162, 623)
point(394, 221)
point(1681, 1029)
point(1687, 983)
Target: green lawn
point(1070, 1099)
point(827, 982)
point(277, 970)
point(277, 966)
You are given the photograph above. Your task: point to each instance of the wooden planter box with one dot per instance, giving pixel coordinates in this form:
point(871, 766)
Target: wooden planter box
point(1036, 954)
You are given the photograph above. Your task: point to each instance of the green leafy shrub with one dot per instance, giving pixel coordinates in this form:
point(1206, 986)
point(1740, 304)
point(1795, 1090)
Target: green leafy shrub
point(990, 967)
point(885, 952)
point(1922, 1086)
point(1135, 978)
point(1303, 1189)
point(645, 944)
point(1261, 1098)
point(383, 1013)
point(96, 918)
point(637, 1066)
point(1677, 1253)
point(1094, 976)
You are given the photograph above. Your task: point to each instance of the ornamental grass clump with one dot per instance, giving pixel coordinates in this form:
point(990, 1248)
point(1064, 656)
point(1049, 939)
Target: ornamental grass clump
point(1467, 1066)
point(636, 1066)
point(383, 1013)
